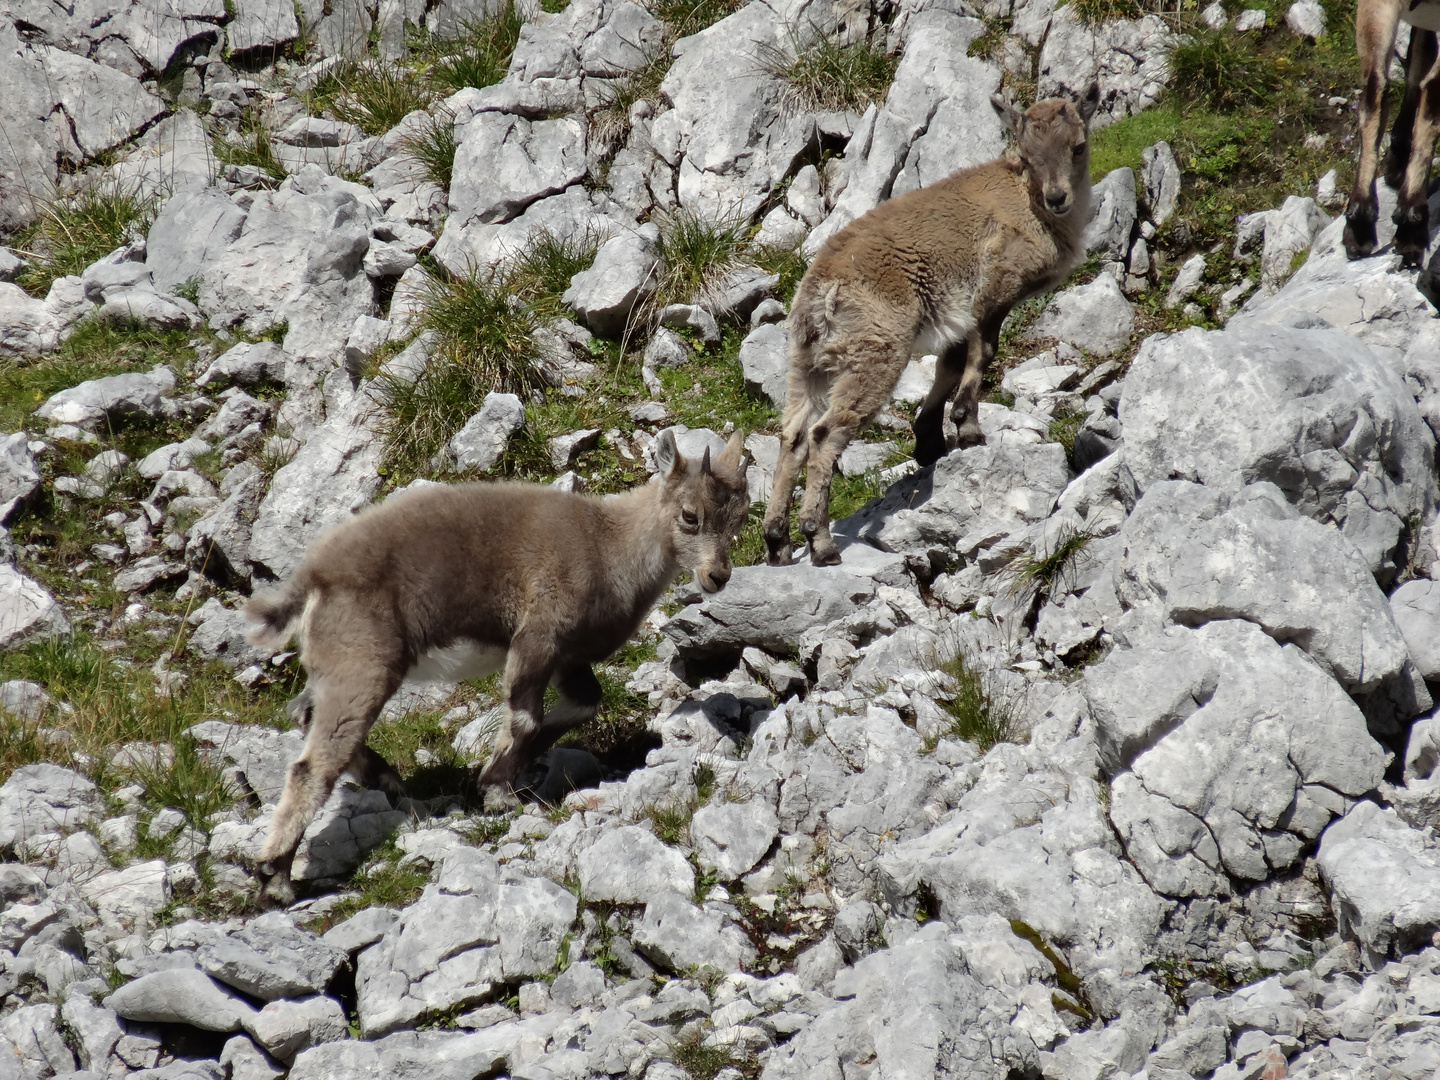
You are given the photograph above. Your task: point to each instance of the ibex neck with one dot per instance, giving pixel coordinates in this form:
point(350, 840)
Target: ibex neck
point(644, 560)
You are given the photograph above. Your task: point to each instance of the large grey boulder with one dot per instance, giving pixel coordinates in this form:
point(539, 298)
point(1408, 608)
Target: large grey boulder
point(935, 119)
point(629, 865)
point(1115, 212)
point(768, 607)
point(28, 612)
point(1315, 412)
point(571, 216)
point(1384, 881)
point(44, 798)
point(129, 899)
point(192, 230)
point(335, 474)
point(1236, 745)
point(297, 260)
point(1416, 607)
point(680, 936)
point(477, 446)
point(19, 478)
point(1095, 317)
point(732, 837)
point(1258, 559)
point(889, 1001)
point(765, 361)
point(433, 1055)
point(622, 275)
point(269, 958)
point(133, 395)
point(246, 364)
point(1128, 57)
point(261, 24)
point(284, 1028)
point(480, 926)
point(503, 163)
point(1365, 298)
point(30, 1037)
point(181, 996)
point(27, 327)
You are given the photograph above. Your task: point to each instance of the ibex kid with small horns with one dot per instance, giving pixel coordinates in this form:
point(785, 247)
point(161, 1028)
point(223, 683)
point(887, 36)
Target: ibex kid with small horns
point(931, 271)
point(460, 581)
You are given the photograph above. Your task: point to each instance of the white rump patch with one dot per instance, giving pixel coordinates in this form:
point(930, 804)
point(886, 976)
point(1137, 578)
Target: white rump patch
point(461, 660)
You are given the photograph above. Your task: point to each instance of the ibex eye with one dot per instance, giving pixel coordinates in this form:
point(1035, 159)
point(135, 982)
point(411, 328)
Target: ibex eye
point(689, 517)
point(1079, 150)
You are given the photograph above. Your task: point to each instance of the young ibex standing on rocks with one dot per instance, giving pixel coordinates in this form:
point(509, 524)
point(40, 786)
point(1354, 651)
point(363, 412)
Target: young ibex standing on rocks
point(462, 581)
point(1412, 143)
point(935, 270)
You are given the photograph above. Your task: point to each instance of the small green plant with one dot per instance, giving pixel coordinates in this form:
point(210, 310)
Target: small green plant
point(1221, 69)
point(381, 882)
point(189, 289)
point(979, 712)
point(478, 56)
point(1073, 999)
point(541, 271)
point(789, 263)
point(704, 777)
point(824, 77)
point(371, 95)
point(703, 1062)
point(672, 821)
point(433, 146)
point(1036, 575)
point(73, 231)
point(1095, 12)
point(1063, 430)
point(694, 254)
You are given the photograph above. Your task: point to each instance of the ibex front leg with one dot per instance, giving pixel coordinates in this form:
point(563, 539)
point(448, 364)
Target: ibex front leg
point(528, 669)
point(1375, 23)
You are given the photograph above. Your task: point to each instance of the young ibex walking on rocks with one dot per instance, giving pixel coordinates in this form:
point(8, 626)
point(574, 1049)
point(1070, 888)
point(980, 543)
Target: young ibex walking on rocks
point(1412, 143)
point(935, 270)
point(462, 581)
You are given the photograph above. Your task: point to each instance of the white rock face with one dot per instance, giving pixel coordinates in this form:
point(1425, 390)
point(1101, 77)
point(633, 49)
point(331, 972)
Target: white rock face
point(765, 360)
point(1260, 560)
point(1285, 726)
point(1416, 607)
point(504, 163)
point(128, 899)
point(623, 274)
point(181, 995)
point(1095, 317)
point(629, 865)
point(1127, 57)
point(679, 936)
point(43, 798)
point(732, 837)
point(478, 445)
point(1252, 403)
point(1115, 210)
point(117, 397)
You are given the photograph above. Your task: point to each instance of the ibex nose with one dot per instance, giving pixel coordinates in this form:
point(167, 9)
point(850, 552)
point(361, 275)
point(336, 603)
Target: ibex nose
point(1057, 201)
point(714, 579)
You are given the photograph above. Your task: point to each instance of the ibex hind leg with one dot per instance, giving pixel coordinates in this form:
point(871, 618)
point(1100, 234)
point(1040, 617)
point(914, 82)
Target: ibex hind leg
point(345, 706)
point(528, 669)
point(800, 412)
point(930, 421)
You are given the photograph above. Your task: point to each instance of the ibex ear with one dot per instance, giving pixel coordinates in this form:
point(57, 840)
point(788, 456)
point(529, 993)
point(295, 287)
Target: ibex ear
point(1010, 116)
point(730, 458)
point(1089, 102)
point(667, 456)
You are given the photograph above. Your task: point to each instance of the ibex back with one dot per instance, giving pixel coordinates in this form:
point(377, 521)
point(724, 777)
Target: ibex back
point(935, 270)
point(462, 581)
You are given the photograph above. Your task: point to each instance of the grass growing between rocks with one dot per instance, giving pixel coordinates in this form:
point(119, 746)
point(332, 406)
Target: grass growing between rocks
point(373, 96)
point(980, 712)
point(251, 146)
point(73, 231)
point(380, 882)
point(822, 76)
point(1036, 575)
point(609, 125)
point(691, 16)
point(704, 1062)
point(478, 56)
point(433, 146)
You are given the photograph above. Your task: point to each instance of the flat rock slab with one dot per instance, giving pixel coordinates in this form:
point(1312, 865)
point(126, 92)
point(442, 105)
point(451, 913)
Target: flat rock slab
point(679, 936)
point(478, 927)
point(629, 865)
point(1223, 726)
point(1384, 877)
point(128, 899)
point(1416, 607)
point(1315, 412)
point(271, 958)
point(733, 837)
point(114, 397)
point(44, 798)
point(1203, 556)
point(768, 607)
point(181, 996)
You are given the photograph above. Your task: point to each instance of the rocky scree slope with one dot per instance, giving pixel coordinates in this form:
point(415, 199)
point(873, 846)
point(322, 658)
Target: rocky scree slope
point(1112, 762)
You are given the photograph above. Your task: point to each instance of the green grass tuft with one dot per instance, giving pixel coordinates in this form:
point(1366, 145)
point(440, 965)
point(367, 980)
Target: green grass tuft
point(253, 146)
point(824, 77)
point(978, 714)
point(479, 56)
point(1220, 69)
point(434, 147)
point(703, 1062)
point(694, 254)
point(372, 96)
point(1095, 12)
point(691, 16)
point(610, 124)
point(74, 231)
point(1039, 574)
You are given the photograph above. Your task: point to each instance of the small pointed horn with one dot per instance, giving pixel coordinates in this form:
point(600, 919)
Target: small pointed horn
point(705, 463)
point(730, 458)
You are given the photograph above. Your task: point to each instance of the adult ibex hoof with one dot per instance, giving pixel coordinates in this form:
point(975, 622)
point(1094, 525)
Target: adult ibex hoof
point(1412, 234)
point(1359, 238)
point(824, 553)
point(276, 889)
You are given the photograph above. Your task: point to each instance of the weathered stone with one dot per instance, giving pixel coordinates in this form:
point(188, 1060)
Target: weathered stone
point(19, 478)
point(731, 838)
point(44, 798)
point(765, 361)
point(270, 958)
point(1269, 722)
point(1313, 411)
point(33, 1033)
point(1306, 18)
point(114, 397)
point(622, 275)
point(1115, 212)
point(1095, 317)
point(1128, 57)
point(192, 230)
point(478, 445)
point(1416, 607)
point(1160, 174)
point(503, 163)
point(1384, 878)
point(629, 865)
point(247, 364)
point(181, 996)
point(129, 899)
point(27, 327)
point(284, 1028)
point(679, 936)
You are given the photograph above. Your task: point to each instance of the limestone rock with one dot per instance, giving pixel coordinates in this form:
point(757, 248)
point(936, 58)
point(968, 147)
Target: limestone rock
point(1095, 317)
point(731, 838)
point(629, 865)
point(679, 936)
point(270, 958)
point(765, 361)
point(181, 996)
point(44, 798)
point(478, 445)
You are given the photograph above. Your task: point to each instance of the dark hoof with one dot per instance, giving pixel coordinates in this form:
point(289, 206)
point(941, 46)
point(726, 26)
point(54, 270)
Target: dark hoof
point(824, 554)
point(929, 451)
point(1412, 234)
point(779, 556)
point(498, 798)
point(276, 888)
point(1359, 238)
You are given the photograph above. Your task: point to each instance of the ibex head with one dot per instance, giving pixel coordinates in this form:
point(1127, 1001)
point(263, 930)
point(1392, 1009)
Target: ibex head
point(707, 502)
point(1052, 140)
